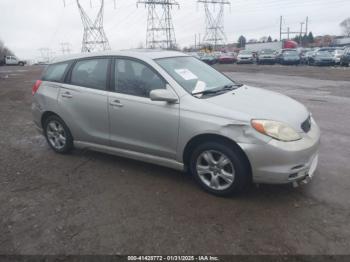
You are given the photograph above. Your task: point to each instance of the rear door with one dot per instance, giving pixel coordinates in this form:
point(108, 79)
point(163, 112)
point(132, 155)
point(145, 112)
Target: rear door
point(83, 100)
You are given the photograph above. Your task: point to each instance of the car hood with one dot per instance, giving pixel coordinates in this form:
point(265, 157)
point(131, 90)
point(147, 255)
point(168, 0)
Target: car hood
point(258, 103)
point(291, 57)
point(267, 55)
point(244, 56)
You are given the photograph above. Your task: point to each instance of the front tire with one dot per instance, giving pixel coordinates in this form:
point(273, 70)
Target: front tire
point(219, 169)
point(58, 135)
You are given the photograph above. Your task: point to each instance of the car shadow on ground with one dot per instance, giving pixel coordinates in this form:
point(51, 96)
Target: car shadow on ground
point(167, 176)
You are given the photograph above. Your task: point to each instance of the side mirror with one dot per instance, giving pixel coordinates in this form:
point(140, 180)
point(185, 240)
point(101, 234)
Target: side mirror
point(163, 95)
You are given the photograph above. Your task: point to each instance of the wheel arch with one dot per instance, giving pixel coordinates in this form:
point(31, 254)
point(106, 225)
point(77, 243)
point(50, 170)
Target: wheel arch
point(195, 141)
point(47, 114)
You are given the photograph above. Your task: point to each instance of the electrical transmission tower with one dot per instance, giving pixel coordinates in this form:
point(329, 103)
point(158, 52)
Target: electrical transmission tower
point(160, 28)
point(65, 48)
point(94, 38)
point(214, 32)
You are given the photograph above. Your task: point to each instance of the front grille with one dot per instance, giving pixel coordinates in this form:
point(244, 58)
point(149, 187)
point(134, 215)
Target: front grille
point(306, 125)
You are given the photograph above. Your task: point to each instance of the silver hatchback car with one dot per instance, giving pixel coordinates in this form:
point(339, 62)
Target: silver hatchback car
point(171, 109)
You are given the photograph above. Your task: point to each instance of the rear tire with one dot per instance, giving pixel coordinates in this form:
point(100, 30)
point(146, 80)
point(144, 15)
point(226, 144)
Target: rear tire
point(58, 135)
point(219, 169)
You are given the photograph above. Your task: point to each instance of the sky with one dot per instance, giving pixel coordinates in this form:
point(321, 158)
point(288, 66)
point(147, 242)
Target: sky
point(28, 25)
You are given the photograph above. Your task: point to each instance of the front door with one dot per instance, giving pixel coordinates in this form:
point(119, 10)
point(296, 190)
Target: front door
point(136, 122)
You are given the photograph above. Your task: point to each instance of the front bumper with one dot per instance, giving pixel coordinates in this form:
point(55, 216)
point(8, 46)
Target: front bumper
point(245, 61)
point(278, 162)
point(325, 63)
point(290, 62)
point(267, 60)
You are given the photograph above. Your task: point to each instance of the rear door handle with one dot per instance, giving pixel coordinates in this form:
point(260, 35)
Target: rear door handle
point(116, 103)
point(67, 95)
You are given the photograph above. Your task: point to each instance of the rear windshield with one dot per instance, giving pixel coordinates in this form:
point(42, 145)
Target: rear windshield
point(290, 53)
point(55, 72)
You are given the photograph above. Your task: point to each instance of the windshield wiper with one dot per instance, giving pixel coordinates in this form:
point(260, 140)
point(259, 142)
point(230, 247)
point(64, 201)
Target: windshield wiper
point(218, 90)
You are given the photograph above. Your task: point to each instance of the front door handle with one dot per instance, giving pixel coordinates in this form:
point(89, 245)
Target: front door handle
point(67, 95)
point(116, 103)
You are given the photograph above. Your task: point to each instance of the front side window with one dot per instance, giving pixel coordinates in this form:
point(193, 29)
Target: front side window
point(91, 73)
point(55, 72)
point(193, 75)
point(136, 78)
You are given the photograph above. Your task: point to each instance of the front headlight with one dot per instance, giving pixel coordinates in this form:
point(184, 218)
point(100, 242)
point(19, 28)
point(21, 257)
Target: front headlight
point(276, 130)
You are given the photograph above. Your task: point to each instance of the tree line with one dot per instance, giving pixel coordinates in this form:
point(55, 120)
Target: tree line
point(4, 51)
point(305, 40)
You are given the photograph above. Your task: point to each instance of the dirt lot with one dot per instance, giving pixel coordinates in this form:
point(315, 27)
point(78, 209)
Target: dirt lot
point(92, 203)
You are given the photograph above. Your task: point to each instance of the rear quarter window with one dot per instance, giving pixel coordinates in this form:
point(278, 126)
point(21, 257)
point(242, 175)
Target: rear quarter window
point(55, 72)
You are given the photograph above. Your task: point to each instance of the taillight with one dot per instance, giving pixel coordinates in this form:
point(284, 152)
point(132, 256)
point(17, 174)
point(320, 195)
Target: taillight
point(36, 86)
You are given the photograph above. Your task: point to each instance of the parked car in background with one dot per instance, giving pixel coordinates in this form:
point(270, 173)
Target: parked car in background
point(194, 54)
point(345, 58)
point(321, 58)
point(227, 58)
point(337, 54)
point(288, 57)
point(305, 57)
point(266, 56)
point(171, 109)
point(245, 57)
point(209, 59)
point(13, 60)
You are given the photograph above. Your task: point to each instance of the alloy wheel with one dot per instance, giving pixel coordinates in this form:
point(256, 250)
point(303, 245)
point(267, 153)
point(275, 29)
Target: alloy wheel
point(56, 135)
point(215, 170)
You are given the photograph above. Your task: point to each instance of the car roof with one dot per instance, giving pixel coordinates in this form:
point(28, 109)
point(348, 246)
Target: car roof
point(143, 54)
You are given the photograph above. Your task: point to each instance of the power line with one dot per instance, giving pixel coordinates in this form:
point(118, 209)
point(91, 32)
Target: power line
point(289, 32)
point(160, 28)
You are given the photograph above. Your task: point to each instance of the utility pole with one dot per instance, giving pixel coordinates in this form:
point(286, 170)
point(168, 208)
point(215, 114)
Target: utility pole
point(160, 28)
point(195, 41)
point(297, 33)
point(214, 33)
point(301, 34)
point(281, 20)
point(94, 38)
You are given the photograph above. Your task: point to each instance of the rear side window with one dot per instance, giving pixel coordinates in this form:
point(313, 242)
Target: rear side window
point(91, 73)
point(55, 72)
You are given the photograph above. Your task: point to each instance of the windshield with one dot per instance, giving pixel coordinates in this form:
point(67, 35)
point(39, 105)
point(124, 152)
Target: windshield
point(245, 52)
point(193, 75)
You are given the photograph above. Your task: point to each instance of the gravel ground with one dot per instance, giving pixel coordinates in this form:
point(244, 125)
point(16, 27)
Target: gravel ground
point(93, 203)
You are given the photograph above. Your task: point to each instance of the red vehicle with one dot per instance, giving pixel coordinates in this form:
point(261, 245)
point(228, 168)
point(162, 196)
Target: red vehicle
point(227, 59)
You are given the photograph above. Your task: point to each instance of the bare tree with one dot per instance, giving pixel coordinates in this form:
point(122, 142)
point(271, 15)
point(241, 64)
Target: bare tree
point(345, 25)
point(4, 51)
point(263, 39)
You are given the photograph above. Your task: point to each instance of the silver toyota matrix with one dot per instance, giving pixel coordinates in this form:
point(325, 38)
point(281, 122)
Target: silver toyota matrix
point(173, 110)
